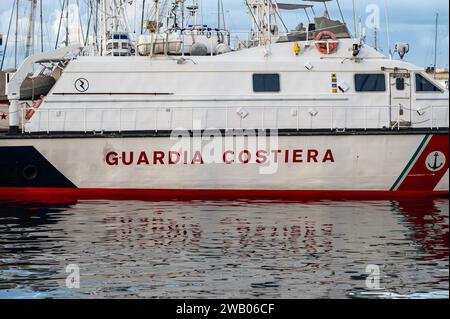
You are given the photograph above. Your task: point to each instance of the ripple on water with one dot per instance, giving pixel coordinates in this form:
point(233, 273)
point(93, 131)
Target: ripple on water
point(240, 249)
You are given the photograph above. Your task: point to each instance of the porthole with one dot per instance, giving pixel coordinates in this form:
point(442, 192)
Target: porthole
point(30, 172)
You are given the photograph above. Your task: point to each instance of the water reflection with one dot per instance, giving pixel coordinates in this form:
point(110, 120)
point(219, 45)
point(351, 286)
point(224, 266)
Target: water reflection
point(240, 249)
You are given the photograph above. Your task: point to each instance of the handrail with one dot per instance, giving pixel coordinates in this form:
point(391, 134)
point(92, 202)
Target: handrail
point(299, 117)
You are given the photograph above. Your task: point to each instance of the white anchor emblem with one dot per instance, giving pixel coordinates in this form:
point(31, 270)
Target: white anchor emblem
point(435, 161)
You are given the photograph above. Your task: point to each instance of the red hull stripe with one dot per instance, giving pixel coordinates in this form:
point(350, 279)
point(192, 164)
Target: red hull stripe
point(69, 194)
point(420, 177)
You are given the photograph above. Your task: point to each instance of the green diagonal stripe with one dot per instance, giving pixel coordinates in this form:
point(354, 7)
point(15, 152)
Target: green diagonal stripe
point(411, 162)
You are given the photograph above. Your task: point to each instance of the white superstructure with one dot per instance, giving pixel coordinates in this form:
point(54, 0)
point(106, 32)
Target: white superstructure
point(310, 91)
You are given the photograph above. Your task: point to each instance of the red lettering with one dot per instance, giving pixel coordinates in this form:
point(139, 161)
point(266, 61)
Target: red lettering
point(328, 157)
point(225, 157)
point(111, 159)
point(245, 157)
point(275, 154)
point(312, 156)
point(198, 158)
point(143, 159)
point(158, 157)
point(298, 156)
point(261, 157)
point(129, 161)
point(171, 160)
point(286, 156)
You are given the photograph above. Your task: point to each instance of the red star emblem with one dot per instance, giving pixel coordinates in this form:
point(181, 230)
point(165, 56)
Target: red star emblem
point(3, 116)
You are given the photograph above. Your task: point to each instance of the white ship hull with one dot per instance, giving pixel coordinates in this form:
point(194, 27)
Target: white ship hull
point(279, 167)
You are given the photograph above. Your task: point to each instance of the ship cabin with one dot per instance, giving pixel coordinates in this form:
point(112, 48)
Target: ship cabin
point(287, 86)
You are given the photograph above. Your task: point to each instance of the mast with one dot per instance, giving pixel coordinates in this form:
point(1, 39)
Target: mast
point(326, 9)
point(264, 15)
point(388, 32)
point(60, 23)
point(31, 22)
point(436, 43)
point(86, 38)
point(42, 27)
point(16, 40)
point(67, 23)
point(340, 11)
point(80, 25)
point(224, 21)
point(375, 38)
point(104, 25)
point(218, 14)
point(96, 27)
point(182, 15)
point(7, 35)
point(142, 18)
point(354, 20)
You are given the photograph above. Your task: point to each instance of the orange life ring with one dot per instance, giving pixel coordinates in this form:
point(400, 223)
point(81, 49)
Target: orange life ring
point(324, 45)
point(31, 111)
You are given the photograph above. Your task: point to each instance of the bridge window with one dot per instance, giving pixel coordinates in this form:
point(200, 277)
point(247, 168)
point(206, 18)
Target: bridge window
point(266, 83)
point(370, 83)
point(424, 85)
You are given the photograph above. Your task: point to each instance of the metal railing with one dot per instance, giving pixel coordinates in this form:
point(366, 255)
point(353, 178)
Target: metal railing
point(333, 118)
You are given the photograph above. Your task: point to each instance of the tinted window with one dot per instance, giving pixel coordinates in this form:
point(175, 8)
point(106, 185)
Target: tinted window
point(400, 84)
point(423, 85)
point(266, 82)
point(370, 83)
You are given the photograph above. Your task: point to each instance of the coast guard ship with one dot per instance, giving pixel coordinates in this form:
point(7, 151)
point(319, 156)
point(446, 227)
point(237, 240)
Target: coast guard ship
point(182, 112)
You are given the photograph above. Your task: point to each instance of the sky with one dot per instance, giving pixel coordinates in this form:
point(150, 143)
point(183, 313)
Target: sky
point(410, 21)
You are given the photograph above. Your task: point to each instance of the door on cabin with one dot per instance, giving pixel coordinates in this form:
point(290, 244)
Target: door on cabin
point(401, 108)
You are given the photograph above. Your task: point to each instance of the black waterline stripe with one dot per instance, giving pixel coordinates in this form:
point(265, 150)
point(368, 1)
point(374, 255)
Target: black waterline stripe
point(112, 93)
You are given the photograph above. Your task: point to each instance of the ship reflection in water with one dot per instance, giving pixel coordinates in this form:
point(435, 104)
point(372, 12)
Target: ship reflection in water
point(225, 249)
